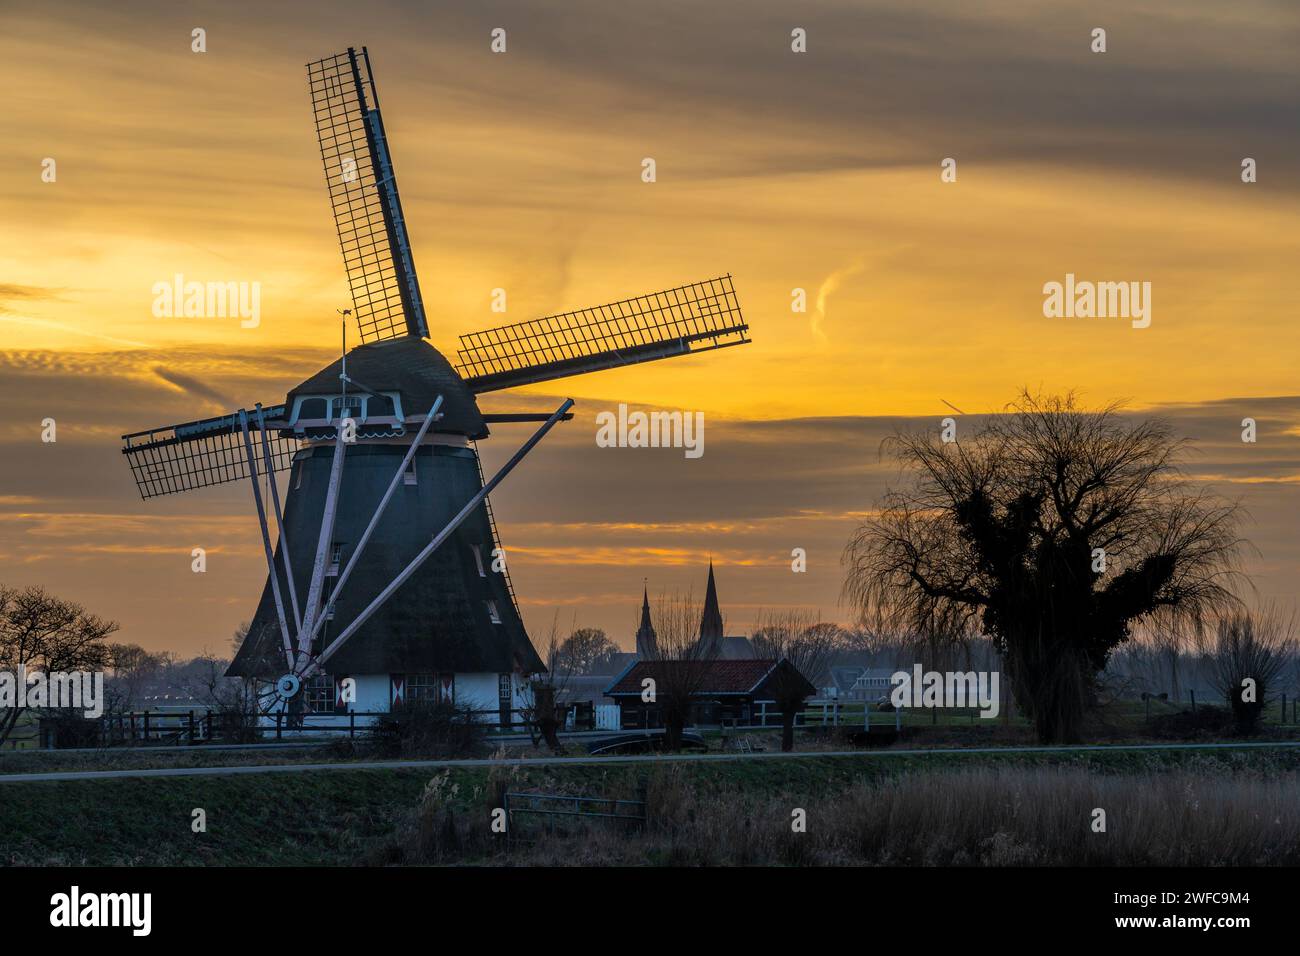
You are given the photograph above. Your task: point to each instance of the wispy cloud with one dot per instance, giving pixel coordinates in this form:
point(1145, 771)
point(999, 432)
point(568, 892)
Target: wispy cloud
point(193, 386)
point(824, 292)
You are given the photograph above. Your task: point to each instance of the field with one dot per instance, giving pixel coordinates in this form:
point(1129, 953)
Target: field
point(1163, 806)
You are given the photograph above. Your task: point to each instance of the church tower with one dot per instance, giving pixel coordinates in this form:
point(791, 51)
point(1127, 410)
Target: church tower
point(711, 620)
point(647, 645)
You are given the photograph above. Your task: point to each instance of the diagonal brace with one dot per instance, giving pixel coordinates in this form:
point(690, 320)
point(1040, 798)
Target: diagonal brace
point(266, 538)
point(437, 542)
point(374, 520)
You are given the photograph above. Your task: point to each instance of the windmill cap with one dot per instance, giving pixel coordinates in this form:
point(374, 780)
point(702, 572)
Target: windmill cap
point(414, 369)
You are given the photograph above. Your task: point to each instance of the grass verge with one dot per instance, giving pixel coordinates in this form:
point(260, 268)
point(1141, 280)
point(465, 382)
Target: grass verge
point(346, 817)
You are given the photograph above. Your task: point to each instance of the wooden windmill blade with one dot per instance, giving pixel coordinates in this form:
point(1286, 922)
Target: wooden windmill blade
point(363, 194)
point(691, 318)
point(176, 458)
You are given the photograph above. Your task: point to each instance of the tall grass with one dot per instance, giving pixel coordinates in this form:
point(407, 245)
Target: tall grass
point(977, 817)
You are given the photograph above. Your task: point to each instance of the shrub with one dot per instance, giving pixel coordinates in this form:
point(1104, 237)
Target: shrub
point(1203, 723)
point(428, 730)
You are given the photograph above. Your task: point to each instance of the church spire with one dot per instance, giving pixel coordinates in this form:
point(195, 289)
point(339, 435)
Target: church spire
point(711, 621)
point(647, 644)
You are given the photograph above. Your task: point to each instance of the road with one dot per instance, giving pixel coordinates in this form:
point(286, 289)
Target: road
point(579, 761)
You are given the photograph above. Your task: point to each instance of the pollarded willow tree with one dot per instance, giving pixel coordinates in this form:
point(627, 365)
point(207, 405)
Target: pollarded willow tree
point(1054, 529)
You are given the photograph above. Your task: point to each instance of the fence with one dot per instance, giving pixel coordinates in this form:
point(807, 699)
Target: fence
point(822, 713)
point(609, 717)
point(552, 811)
point(192, 727)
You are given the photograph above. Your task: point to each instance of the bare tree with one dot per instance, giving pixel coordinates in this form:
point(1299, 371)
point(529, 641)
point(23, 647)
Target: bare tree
point(679, 665)
point(233, 700)
point(237, 639)
point(1052, 529)
point(132, 669)
point(40, 632)
point(587, 650)
point(806, 644)
point(1248, 652)
point(541, 707)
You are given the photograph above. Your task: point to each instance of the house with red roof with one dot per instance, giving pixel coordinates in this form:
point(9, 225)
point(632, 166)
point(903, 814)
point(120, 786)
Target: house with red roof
point(724, 692)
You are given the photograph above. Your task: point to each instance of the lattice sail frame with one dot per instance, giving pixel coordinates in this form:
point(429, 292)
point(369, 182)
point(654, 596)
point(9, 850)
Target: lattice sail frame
point(691, 318)
point(177, 458)
point(386, 299)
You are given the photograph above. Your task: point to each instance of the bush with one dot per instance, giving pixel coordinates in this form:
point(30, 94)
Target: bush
point(430, 730)
point(1203, 723)
point(70, 731)
point(236, 725)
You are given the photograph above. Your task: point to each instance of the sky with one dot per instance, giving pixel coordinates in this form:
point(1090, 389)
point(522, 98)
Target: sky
point(521, 170)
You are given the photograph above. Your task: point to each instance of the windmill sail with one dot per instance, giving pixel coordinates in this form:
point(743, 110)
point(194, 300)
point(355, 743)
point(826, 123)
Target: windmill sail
point(691, 318)
point(178, 458)
point(363, 193)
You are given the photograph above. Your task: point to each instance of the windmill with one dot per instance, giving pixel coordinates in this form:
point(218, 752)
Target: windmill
point(383, 568)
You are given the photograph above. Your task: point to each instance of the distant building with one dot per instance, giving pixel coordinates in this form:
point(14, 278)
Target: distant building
point(713, 642)
point(647, 645)
point(860, 683)
point(736, 648)
point(711, 621)
point(729, 691)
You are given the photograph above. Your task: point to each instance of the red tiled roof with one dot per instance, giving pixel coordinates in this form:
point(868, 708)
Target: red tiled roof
point(721, 677)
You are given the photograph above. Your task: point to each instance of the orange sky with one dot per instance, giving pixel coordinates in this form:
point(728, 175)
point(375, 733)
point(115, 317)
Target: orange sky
point(522, 171)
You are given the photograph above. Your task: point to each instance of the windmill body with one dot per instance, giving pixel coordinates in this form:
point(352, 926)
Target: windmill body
point(452, 631)
point(386, 566)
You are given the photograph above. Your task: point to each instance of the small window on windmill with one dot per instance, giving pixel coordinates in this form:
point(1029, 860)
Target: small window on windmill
point(336, 558)
point(346, 407)
point(319, 693)
point(408, 476)
point(493, 614)
point(422, 689)
point(478, 560)
point(311, 409)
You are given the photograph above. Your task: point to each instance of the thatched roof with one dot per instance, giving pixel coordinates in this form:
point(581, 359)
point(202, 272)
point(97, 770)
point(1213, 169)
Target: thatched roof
point(412, 367)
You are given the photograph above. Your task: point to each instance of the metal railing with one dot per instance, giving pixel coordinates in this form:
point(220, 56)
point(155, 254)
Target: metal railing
point(552, 810)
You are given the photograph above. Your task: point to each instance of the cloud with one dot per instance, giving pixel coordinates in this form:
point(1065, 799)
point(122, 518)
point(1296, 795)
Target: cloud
point(828, 288)
point(193, 386)
point(27, 293)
